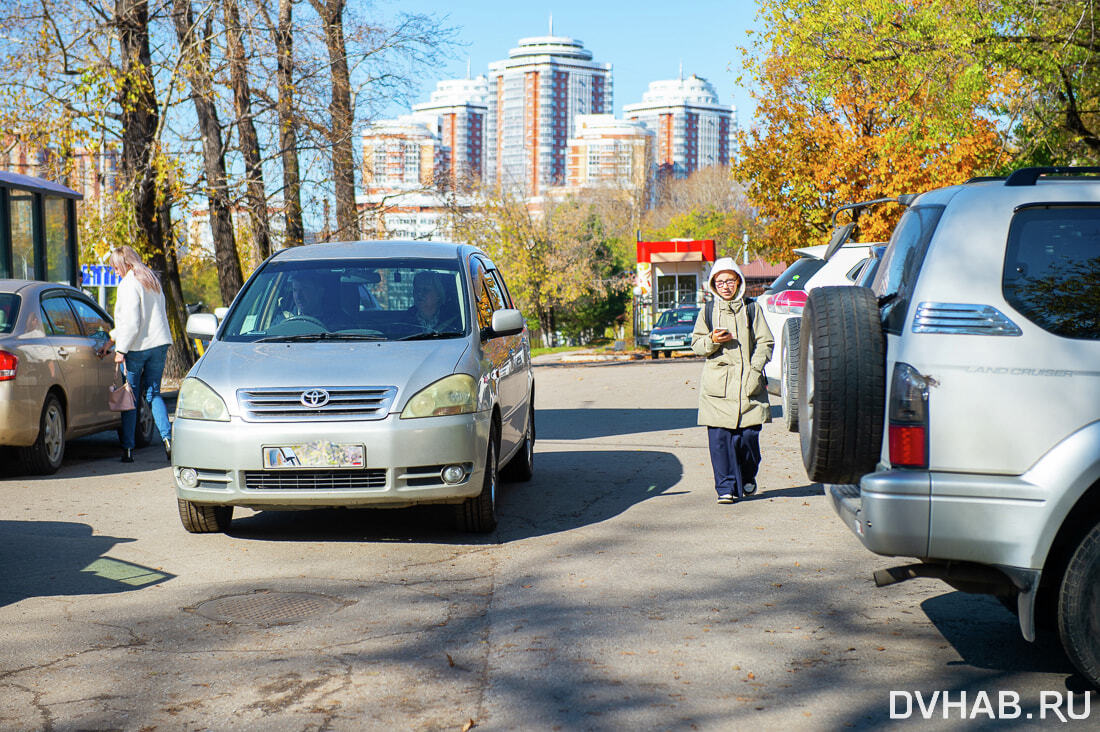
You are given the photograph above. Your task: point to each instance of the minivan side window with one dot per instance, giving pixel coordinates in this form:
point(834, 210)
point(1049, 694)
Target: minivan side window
point(1052, 268)
point(487, 294)
point(506, 297)
point(901, 263)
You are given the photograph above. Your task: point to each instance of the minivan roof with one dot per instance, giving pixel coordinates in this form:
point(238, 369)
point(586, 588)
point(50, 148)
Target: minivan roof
point(375, 249)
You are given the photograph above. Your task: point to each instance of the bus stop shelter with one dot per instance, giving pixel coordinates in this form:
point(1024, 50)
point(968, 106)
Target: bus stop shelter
point(38, 230)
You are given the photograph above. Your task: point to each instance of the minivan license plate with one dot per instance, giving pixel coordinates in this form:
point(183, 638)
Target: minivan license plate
point(320, 454)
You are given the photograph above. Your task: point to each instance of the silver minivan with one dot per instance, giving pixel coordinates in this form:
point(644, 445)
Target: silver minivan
point(359, 374)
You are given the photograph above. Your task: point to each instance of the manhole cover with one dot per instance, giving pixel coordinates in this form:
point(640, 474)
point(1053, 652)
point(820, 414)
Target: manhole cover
point(268, 608)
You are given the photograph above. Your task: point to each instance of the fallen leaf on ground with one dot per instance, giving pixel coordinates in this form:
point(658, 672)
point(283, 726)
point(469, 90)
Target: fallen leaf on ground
point(470, 724)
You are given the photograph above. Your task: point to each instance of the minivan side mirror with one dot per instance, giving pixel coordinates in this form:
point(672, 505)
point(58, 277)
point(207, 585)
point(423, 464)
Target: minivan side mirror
point(202, 325)
point(506, 322)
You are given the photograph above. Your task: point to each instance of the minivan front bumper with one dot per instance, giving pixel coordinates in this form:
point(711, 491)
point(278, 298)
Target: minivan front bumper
point(404, 458)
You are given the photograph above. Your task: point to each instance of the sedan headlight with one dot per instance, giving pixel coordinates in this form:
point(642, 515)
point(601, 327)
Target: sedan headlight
point(196, 400)
point(455, 394)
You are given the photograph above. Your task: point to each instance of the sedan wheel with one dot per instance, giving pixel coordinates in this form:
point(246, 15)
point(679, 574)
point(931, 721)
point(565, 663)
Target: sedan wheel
point(45, 455)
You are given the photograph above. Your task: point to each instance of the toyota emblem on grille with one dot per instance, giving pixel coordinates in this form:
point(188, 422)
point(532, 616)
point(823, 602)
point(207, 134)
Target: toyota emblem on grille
point(315, 398)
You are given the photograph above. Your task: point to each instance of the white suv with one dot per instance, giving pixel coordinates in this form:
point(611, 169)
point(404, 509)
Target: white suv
point(954, 407)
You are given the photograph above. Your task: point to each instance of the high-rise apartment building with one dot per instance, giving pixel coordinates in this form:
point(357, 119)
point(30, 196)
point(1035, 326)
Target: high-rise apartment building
point(402, 154)
point(534, 96)
point(605, 151)
point(457, 112)
point(693, 129)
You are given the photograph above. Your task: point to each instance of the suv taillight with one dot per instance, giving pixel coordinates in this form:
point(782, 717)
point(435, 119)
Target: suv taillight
point(787, 302)
point(908, 423)
point(8, 366)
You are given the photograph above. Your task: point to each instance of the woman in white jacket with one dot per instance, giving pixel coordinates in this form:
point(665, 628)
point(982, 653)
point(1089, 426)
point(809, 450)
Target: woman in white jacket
point(141, 338)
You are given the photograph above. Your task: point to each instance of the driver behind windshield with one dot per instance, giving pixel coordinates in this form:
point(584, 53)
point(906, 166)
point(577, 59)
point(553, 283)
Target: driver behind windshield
point(313, 299)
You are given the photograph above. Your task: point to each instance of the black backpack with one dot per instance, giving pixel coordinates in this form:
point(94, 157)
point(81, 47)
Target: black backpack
point(750, 312)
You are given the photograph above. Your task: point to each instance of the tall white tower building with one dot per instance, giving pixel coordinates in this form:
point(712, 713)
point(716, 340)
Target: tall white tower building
point(457, 112)
point(534, 96)
point(693, 129)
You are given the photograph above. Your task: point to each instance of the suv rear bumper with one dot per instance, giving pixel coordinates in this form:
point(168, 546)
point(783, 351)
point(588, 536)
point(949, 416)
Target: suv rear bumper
point(988, 519)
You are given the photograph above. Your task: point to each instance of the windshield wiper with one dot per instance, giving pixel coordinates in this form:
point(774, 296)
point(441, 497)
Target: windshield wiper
point(307, 337)
point(431, 335)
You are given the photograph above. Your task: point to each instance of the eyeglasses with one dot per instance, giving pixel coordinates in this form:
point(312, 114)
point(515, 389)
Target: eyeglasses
point(726, 283)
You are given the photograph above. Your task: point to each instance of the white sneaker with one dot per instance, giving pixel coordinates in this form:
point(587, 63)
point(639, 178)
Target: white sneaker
point(725, 498)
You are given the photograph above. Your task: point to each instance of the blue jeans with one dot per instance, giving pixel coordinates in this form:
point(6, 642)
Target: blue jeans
point(143, 371)
point(734, 457)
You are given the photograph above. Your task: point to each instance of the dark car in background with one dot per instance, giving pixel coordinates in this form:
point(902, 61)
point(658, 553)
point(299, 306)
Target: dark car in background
point(672, 331)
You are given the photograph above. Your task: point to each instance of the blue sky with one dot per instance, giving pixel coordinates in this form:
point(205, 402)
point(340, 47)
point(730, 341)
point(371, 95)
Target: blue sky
point(644, 41)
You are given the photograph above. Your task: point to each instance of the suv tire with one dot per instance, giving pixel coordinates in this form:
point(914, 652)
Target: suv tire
point(842, 394)
point(788, 383)
point(1078, 600)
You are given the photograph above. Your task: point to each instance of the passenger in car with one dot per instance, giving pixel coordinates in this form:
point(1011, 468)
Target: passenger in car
point(432, 309)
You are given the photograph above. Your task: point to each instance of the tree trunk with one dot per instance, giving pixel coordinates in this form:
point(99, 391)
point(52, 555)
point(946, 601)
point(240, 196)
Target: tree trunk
point(140, 120)
point(182, 355)
point(196, 60)
point(246, 130)
point(343, 119)
point(288, 130)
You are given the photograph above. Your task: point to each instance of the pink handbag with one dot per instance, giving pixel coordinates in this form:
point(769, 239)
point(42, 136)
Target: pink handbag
point(120, 398)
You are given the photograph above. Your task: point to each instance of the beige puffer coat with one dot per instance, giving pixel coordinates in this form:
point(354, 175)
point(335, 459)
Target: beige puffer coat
point(732, 392)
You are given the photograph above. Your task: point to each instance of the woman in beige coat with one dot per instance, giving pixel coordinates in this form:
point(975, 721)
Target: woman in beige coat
point(733, 398)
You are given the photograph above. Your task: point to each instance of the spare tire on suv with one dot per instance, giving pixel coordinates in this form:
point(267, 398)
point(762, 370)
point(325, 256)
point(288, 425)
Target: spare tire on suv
point(842, 370)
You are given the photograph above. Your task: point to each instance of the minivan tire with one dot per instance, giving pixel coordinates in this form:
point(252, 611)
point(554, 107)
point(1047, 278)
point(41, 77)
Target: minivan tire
point(521, 468)
point(789, 381)
point(842, 389)
point(479, 514)
point(1078, 600)
point(44, 456)
point(199, 518)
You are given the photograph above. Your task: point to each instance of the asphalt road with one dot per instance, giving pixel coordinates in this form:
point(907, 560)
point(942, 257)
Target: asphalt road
point(615, 595)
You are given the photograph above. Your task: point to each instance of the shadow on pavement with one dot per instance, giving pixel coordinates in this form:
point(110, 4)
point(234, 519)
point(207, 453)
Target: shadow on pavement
point(44, 558)
point(801, 491)
point(586, 424)
point(554, 500)
point(969, 621)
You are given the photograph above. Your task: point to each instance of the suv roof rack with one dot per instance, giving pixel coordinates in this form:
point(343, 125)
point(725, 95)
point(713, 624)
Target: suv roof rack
point(983, 179)
point(1028, 176)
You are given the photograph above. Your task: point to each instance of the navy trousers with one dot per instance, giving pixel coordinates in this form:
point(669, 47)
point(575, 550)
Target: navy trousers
point(735, 458)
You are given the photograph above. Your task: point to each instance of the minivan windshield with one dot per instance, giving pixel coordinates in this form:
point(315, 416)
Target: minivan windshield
point(358, 300)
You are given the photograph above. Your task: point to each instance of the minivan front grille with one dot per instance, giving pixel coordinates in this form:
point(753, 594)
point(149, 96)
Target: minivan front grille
point(963, 319)
point(309, 404)
point(314, 480)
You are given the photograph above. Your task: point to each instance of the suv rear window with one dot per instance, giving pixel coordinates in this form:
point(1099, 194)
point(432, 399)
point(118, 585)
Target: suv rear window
point(1052, 268)
point(795, 276)
point(901, 262)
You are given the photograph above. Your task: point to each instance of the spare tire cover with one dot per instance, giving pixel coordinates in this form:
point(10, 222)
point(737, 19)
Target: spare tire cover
point(842, 380)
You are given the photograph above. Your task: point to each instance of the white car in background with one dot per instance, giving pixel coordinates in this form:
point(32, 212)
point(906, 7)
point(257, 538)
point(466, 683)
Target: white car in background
point(782, 309)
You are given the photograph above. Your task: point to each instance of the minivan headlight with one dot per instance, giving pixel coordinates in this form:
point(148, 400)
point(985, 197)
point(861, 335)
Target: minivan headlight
point(454, 394)
point(196, 400)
